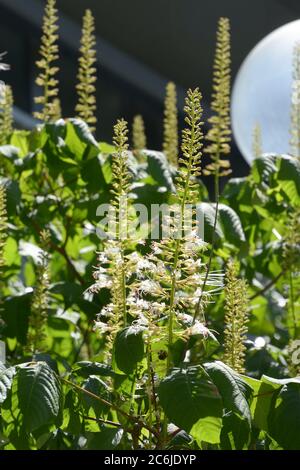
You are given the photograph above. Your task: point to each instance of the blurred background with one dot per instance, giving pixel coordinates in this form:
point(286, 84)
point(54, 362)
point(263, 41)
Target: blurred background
point(142, 45)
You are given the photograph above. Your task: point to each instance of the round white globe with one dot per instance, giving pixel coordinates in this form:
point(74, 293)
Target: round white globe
point(262, 92)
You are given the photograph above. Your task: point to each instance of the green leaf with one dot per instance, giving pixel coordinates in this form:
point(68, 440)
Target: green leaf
point(231, 225)
point(289, 177)
point(233, 188)
point(16, 311)
point(260, 320)
point(29, 249)
point(159, 169)
point(265, 389)
point(39, 394)
point(263, 167)
point(209, 212)
point(92, 173)
point(187, 395)
point(107, 439)
point(87, 368)
point(11, 255)
point(228, 226)
point(128, 349)
point(284, 417)
point(9, 152)
point(235, 392)
point(180, 441)
point(60, 440)
point(6, 379)
point(203, 194)
point(13, 194)
point(71, 292)
point(236, 395)
point(235, 432)
point(19, 139)
point(207, 430)
point(80, 140)
point(106, 148)
point(97, 387)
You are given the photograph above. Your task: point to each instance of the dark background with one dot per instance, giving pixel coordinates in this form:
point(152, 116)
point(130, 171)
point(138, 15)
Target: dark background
point(142, 44)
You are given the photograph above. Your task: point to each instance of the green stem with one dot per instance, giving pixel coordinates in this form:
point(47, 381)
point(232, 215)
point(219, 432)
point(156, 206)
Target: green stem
point(292, 303)
point(216, 181)
point(171, 308)
point(123, 284)
point(177, 247)
point(232, 345)
point(149, 372)
point(197, 310)
point(175, 263)
point(133, 419)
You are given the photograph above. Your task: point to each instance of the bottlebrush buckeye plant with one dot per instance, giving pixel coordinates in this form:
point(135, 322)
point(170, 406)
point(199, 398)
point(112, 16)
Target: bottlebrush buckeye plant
point(129, 329)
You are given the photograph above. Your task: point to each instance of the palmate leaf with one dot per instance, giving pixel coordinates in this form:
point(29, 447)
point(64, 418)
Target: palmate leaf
point(39, 395)
point(6, 379)
point(187, 396)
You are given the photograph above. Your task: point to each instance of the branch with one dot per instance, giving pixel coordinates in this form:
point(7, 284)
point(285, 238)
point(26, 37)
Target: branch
point(104, 421)
point(133, 419)
point(62, 251)
point(268, 286)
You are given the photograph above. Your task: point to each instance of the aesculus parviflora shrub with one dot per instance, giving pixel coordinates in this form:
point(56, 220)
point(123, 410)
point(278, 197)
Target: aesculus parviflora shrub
point(154, 353)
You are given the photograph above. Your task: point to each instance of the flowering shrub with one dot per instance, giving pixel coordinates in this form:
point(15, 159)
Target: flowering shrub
point(116, 339)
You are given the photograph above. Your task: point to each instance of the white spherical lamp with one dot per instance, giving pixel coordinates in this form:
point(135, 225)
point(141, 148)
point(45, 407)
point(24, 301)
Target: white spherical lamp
point(262, 92)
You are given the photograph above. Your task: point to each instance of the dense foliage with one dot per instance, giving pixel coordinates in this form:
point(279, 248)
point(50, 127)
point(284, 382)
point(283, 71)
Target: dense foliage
point(131, 343)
